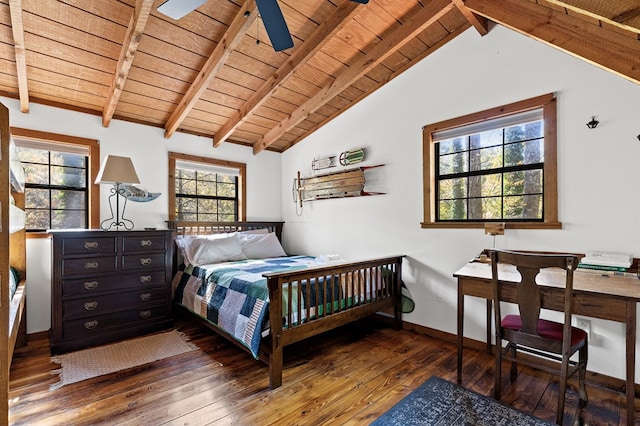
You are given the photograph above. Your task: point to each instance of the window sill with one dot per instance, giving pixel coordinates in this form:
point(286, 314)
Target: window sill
point(480, 225)
point(37, 234)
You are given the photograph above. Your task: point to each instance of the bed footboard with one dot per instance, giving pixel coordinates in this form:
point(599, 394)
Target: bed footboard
point(306, 302)
point(17, 322)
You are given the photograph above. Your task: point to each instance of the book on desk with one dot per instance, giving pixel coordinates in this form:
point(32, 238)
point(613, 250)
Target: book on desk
point(608, 264)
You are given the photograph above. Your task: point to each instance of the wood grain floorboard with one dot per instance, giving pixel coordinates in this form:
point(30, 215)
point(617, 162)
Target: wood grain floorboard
point(348, 377)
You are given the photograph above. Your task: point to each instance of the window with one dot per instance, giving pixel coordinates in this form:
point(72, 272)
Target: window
point(59, 175)
point(497, 165)
point(204, 189)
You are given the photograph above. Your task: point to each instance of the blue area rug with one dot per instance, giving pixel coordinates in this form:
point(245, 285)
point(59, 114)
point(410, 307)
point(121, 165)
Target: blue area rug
point(439, 402)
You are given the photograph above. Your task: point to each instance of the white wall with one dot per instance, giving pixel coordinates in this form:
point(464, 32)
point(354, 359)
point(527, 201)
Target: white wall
point(148, 150)
point(597, 172)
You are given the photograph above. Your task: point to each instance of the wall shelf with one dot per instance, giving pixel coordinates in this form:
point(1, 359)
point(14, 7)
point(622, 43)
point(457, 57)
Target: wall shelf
point(345, 183)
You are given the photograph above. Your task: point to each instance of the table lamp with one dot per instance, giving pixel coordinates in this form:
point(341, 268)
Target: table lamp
point(117, 170)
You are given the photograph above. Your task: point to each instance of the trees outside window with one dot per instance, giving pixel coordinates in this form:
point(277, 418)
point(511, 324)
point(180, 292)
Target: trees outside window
point(56, 195)
point(60, 172)
point(203, 189)
point(496, 165)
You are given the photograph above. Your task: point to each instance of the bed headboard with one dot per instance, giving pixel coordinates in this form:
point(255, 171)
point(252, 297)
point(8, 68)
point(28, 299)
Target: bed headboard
point(181, 227)
point(207, 228)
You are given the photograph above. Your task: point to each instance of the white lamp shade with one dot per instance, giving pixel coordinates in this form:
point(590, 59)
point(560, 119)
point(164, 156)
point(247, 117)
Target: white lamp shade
point(117, 169)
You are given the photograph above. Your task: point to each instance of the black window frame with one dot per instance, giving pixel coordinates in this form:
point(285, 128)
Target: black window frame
point(548, 103)
point(52, 187)
point(502, 170)
point(66, 143)
point(217, 198)
point(180, 160)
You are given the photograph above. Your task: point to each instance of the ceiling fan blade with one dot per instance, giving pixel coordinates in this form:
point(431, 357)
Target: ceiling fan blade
point(275, 24)
point(177, 9)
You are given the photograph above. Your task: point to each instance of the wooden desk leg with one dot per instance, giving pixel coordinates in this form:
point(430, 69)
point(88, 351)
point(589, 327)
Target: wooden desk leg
point(460, 328)
point(631, 359)
point(489, 312)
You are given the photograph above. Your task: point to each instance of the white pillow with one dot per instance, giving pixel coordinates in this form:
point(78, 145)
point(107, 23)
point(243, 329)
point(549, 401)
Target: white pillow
point(261, 246)
point(205, 251)
point(254, 231)
point(184, 243)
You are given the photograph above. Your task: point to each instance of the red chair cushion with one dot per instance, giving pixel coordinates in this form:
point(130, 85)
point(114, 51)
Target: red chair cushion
point(547, 329)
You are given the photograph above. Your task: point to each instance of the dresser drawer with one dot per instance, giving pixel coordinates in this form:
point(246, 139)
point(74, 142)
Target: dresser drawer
point(96, 324)
point(108, 303)
point(108, 286)
point(89, 265)
point(144, 243)
point(88, 286)
point(146, 260)
point(88, 245)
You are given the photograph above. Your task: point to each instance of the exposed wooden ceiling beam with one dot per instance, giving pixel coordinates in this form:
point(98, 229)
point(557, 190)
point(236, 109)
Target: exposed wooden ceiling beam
point(343, 14)
point(15, 9)
point(627, 15)
point(247, 14)
point(480, 23)
point(591, 9)
point(129, 48)
point(599, 46)
point(414, 25)
point(408, 65)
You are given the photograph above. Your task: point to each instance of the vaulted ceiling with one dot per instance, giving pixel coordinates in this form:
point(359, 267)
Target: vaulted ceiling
point(214, 73)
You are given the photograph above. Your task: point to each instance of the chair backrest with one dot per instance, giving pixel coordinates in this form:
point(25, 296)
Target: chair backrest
point(529, 295)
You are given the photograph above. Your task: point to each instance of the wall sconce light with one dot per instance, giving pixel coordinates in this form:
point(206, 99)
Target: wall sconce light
point(593, 123)
point(117, 170)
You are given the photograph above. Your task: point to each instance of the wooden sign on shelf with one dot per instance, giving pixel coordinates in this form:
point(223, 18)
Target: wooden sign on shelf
point(346, 183)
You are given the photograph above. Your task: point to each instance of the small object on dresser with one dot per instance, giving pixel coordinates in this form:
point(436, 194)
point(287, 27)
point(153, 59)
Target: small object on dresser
point(117, 170)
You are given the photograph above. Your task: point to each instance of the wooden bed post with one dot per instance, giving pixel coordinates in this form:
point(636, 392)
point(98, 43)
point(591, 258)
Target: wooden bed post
point(397, 294)
point(275, 319)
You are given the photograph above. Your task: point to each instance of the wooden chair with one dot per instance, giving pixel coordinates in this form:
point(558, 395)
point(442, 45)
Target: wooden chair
point(528, 333)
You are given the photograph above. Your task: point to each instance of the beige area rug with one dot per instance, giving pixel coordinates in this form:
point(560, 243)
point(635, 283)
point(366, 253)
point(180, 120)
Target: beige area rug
point(101, 360)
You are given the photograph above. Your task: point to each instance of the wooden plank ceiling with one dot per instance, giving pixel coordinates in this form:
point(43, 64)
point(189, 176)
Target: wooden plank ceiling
point(206, 74)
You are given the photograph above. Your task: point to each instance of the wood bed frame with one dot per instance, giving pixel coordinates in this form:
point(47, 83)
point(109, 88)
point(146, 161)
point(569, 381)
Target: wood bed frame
point(380, 278)
point(17, 323)
point(18, 304)
point(13, 329)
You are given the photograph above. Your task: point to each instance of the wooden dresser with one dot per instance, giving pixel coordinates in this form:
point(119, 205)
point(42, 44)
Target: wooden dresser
point(109, 286)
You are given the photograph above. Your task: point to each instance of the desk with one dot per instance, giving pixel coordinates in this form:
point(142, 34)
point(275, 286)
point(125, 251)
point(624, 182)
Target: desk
point(610, 298)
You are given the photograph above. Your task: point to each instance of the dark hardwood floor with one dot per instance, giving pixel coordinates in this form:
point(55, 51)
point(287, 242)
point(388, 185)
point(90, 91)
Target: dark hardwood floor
point(350, 379)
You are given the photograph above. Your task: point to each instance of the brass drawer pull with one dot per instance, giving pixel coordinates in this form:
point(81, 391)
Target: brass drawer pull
point(145, 297)
point(91, 245)
point(145, 279)
point(145, 314)
point(90, 306)
point(145, 243)
point(90, 325)
point(91, 265)
point(91, 285)
point(145, 261)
